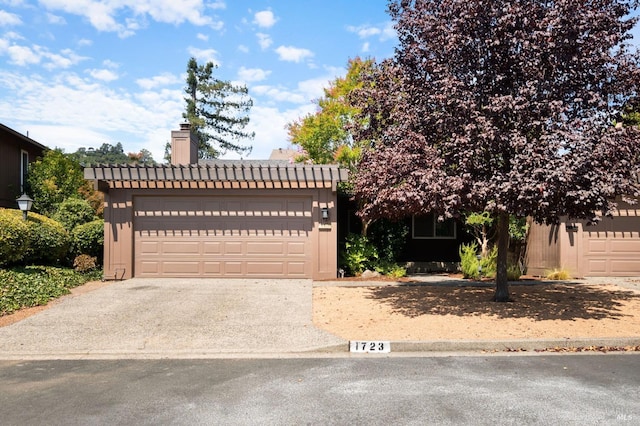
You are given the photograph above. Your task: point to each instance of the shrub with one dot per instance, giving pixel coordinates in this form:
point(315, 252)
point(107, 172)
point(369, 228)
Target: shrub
point(513, 272)
point(389, 238)
point(88, 239)
point(36, 285)
point(73, 212)
point(49, 241)
point(84, 263)
point(475, 268)
point(469, 263)
point(14, 237)
point(391, 269)
point(488, 264)
point(359, 254)
point(558, 275)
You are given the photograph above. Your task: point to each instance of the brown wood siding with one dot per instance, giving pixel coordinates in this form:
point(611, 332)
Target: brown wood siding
point(315, 244)
point(11, 148)
point(543, 249)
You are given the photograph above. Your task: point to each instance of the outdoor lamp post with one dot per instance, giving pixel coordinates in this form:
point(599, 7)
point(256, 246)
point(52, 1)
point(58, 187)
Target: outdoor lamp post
point(24, 204)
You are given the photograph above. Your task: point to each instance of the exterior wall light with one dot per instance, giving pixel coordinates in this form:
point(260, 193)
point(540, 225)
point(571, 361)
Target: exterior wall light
point(24, 203)
point(324, 214)
point(571, 227)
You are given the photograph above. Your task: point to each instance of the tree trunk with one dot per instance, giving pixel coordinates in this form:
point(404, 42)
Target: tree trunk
point(485, 241)
point(502, 285)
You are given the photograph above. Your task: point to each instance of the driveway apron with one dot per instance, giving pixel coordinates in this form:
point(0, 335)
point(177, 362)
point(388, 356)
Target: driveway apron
point(173, 318)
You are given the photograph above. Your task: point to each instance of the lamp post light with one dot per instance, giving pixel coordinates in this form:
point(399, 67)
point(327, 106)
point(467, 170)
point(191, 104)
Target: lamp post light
point(24, 203)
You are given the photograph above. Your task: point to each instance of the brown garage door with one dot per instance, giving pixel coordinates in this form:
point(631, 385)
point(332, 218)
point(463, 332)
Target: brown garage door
point(612, 247)
point(231, 236)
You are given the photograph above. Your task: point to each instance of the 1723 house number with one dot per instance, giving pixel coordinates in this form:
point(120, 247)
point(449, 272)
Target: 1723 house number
point(366, 346)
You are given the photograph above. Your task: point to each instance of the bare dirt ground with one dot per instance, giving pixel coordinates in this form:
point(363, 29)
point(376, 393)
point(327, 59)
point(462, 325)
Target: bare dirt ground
point(454, 309)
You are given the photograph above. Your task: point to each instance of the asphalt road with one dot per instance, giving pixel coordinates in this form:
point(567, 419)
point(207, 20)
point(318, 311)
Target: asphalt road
point(375, 390)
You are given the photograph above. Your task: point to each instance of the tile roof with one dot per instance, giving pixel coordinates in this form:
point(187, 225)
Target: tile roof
point(220, 170)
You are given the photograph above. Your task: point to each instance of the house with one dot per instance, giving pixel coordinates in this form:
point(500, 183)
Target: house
point(17, 152)
point(609, 248)
point(431, 245)
point(266, 219)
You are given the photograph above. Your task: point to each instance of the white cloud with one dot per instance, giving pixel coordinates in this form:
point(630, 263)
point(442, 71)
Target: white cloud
point(72, 112)
point(217, 4)
point(365, 47)
point(65, 59)
point(293, 54)
point(278, 94)
point(384, 31)
point(165, 79)
point(202, 37)
point(242, 48)
point(103, 75)
point(264, 40)
point(84, 42)
point(269, 124)
point(55, 19)
point(252, 74)
point(110, 64)
point(22, 55)
point(204, 55)
point(9, 19)
point(105, 15)
point(364, 31)
point(264, 19)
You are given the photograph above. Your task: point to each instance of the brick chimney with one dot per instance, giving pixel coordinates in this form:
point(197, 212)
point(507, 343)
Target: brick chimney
point(184, 146)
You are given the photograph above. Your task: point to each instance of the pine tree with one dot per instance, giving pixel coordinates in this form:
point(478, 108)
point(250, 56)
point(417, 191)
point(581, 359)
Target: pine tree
point(217, 111)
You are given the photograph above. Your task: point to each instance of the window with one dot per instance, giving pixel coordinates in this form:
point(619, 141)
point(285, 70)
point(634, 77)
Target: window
point(24, 168)
point(429, 227)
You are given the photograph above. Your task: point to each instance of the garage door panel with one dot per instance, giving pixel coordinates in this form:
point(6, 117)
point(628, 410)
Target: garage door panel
point(256, 268)
point(612, 247)
point(181, 248)
point(212, 268)
point(233, 248)
point(213, 248)
point(296, 248)
point(597, 266)
point(223, 236)
point(625, 246)
point(182, 268)
point(296, 269)
point(596, 246)
point(150, 247)
point(259, 248)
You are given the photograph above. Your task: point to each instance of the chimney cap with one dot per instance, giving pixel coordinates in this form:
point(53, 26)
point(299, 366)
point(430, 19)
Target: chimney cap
point(185, 126)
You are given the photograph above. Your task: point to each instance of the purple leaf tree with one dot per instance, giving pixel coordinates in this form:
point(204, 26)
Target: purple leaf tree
point(506, 107)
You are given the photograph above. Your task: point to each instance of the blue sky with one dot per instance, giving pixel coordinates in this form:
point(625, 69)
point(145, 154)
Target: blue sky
point(79, 73)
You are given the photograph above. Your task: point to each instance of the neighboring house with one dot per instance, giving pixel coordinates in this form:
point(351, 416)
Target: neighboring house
point(282, 154)
point(17, 151)
point(609, 248)
point(218, 218)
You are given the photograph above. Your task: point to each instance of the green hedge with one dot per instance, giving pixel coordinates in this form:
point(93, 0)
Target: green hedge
point(37, 285)
point(73, 212)
point(14, 237)
point(88, 239)
point(49, 242)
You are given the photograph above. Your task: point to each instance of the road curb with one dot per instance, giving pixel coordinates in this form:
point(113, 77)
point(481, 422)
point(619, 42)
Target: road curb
point(508, 345)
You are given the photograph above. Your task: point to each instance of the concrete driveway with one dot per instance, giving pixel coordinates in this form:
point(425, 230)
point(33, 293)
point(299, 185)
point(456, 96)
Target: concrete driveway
point(157, 318)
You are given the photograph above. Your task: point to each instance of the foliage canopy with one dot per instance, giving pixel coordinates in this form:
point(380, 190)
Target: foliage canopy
point(324, 135)
point(217, 111)
point(501, 106)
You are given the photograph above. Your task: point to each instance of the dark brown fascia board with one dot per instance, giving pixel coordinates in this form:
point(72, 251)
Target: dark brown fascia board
point(224, 172)
point(22, 137)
